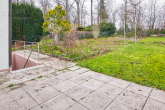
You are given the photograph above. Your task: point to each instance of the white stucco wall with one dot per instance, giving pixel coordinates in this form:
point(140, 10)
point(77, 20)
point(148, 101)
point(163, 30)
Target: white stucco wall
point(4, 34)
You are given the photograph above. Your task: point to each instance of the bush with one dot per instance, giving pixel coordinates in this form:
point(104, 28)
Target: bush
point(130, 34)
point(86, 36)
point(107, 27)
point(89, 28)
point(148, 33)
point(44, 33)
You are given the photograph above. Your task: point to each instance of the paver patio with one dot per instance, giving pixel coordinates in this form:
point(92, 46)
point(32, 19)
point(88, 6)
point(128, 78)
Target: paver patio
point(80, 89)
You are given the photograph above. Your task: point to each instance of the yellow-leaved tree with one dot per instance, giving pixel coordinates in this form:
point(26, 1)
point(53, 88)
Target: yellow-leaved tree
point(55, 22)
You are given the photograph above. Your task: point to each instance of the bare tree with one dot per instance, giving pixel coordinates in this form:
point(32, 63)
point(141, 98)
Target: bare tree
point(91, 12)
point(45, 5)
point(152, 13)
point(112, 10)
point(78, 11)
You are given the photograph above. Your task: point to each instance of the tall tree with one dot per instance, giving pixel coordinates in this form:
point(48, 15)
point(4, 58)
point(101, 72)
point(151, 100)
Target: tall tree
point(91, 12)
point(55, 23)
point(103, 12)
point(45, 5)
point(78, 11)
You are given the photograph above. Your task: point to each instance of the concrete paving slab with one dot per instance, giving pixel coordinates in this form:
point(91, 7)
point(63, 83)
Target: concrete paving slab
point(61, 72)
point(32, 88)
point(17, 86)
point(102, 77)
point(16, 100)
point(37, 108)
point(65, 85)
point(119, 83)
point(69, 74)
point(74, 68)
point(118, 106)
point(133, 100)
point(57, 63)
point(158, 95)
point(139, 89)
point(44, 94)
point(96, 101)
point(77, 107)
point(90, 74)
point(92, 84)
point(9, 105)
point(109, 91)
point(79, 79)
point(54, 80)
point(30, 82)
point(154, 105)
point(82, 70)
point(4, 90)
point(78, 92)
point(61, 102)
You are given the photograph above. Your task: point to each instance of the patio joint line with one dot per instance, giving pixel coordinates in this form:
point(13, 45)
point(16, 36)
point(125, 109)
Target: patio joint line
point(31, 97)
point(85, 87)
point(75, 101)
point(118, 95)
point(147, 99)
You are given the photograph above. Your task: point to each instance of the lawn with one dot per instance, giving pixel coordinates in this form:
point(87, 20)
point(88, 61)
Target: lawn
point(153, 40)
point(141, 63)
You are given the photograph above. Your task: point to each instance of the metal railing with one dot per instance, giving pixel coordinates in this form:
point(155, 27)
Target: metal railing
point(22, 45)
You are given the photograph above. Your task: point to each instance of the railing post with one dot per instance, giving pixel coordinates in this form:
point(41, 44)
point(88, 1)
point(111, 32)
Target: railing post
point(38, 51)
point(15, 45)
point(124, 36)
point(24, 48)
point(135, 33)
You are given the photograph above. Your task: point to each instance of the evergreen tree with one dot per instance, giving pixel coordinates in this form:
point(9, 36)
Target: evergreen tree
point(103, 12)
point(27, 21)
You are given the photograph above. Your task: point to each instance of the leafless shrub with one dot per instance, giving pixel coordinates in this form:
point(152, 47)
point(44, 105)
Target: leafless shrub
point(96, 31)
point(70, 40)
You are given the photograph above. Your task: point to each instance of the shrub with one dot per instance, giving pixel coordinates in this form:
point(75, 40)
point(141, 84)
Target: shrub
point(44, 33)
point(107, 27)
point(89, 28)
point(96, 31)
point(148, 33)
point(130, 34)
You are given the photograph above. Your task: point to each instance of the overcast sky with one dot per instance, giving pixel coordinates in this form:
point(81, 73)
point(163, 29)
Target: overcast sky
point(118, 3)
point(87, 6)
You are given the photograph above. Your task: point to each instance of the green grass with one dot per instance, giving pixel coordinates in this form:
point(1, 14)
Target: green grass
point(11, 85)
point(40, 77)
point(46, 41)
point(154, 40)
point(142, 64)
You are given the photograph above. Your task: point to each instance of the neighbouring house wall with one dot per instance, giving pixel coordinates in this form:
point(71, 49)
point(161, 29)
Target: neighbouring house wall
point(4, 34)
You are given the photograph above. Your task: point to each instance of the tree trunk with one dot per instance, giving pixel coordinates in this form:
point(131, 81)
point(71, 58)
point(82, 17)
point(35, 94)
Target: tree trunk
point(126, 16)
point(91, 12)
point(67, 18)
point(56, 38)
point(78, 14)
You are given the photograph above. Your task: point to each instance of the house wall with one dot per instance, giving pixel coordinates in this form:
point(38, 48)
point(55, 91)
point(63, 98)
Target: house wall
point(4, 34)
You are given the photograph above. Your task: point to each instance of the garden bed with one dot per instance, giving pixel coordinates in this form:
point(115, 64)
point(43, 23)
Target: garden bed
point(84, 49)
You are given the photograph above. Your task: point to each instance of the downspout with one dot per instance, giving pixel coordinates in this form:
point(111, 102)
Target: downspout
point(10, 33)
